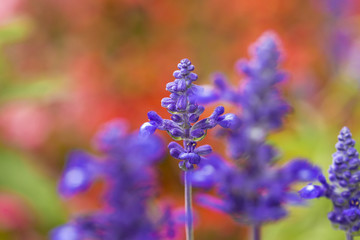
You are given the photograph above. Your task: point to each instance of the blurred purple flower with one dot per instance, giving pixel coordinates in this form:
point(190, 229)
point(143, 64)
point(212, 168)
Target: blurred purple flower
point(252, 189)
point(127, 167)
point(80, 171)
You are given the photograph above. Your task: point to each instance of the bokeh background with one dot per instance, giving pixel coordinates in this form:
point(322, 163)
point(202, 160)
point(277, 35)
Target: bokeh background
point(68, 66)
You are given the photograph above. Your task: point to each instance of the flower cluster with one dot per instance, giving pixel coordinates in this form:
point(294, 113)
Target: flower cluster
point(185, 112)
point(127, 167)
point(252, 189)
point(343, 189)
point(249, 196)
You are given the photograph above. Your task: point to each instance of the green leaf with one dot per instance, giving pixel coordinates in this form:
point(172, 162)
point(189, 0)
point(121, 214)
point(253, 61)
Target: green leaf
point(40, 88)
point(18, 175)
point(14, 31)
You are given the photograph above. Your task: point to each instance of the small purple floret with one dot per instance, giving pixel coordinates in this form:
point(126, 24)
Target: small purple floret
point(80, 171)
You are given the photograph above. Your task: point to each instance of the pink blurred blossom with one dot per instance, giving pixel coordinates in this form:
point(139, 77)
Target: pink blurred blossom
point(24, 124)
point(9, 9)
point(13, 214)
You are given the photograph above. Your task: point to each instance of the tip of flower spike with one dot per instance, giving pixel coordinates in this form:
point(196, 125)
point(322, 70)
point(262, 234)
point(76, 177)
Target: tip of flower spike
point(267, 47)
point(269, 40)
point(184, 63)
point(345, 130)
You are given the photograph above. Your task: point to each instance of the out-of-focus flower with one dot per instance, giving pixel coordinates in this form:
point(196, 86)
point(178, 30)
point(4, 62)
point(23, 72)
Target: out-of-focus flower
point(13, 214)
point(252, 189)
point(343, 190)
point(9, 10)
point(127, 167)
point(24, 124)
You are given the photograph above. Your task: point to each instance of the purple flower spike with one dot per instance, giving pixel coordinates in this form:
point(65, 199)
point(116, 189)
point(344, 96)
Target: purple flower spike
point(343, 189)
point(253, 190)
point(185, 113)
point(183, 105)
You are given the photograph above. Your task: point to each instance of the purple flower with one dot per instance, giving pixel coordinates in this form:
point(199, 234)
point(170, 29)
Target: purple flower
point(209, 172)
point(252, 189)
point(127, 167)
point(222, 90)
point(343, 189)
point(185, 113)
point(263, 107)
point(256, 198)
point(80, 171)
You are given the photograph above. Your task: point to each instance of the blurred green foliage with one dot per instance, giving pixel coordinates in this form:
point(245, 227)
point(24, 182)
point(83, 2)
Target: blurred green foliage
point(19, 175)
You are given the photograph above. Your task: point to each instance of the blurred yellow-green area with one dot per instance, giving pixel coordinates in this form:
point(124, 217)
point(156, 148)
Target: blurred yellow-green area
point(68, 66)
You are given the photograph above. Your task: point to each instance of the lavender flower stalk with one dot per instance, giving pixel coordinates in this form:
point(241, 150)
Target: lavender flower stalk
point(184, 125)
point(127, 167)
point(343, 189)
point(252, 190)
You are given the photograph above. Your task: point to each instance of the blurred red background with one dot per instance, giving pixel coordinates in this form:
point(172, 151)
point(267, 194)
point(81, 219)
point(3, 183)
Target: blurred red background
point(68, 66)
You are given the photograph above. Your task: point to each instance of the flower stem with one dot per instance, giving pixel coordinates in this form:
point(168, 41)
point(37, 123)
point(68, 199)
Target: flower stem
point(256, 232)
point(349, 236)
point(188, 207)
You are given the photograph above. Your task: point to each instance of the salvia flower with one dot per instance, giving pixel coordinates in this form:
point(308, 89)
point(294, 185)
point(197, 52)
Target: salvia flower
point(185, 113)
point(263, 106)
point(343, 189)
point(126, 165)
point(252, 189)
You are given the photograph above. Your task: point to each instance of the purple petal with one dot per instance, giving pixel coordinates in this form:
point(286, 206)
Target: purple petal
point(203, 150)
point(311, 191)
point(78, 175)
point(147, 129)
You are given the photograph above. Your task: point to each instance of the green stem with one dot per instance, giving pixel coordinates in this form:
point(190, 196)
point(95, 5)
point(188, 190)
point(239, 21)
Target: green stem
point(188, 207)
